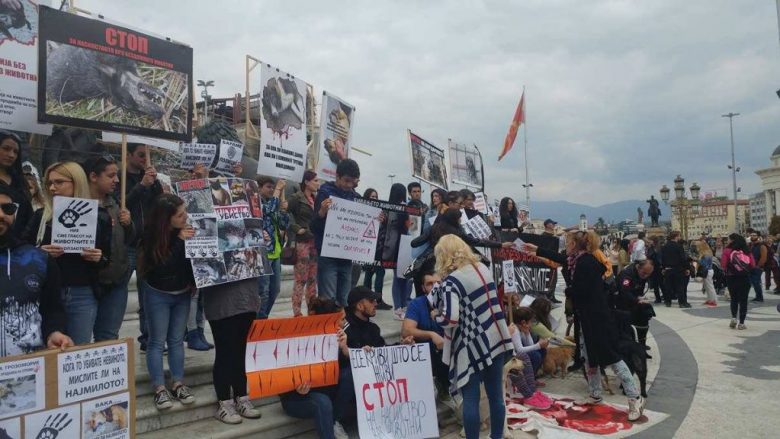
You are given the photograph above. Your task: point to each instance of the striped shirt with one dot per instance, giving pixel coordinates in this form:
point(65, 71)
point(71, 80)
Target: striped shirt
point(475, 330)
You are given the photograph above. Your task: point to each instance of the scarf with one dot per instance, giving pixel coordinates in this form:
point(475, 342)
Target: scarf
point(572, 261)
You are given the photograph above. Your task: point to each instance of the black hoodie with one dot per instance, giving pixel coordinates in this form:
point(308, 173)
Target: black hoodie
point(18, 189)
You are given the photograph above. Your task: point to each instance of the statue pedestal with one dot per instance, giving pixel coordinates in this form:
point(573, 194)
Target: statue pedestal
point(655, 231)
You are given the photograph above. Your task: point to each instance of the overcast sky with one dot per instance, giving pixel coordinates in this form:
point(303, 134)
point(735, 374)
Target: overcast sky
point(621, 95)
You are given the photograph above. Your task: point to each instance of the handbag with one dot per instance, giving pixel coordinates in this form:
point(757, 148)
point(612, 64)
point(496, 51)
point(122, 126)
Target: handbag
point(289, 253)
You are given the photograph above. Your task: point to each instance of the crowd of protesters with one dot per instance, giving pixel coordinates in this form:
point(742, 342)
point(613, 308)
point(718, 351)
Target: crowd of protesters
point(61, 300)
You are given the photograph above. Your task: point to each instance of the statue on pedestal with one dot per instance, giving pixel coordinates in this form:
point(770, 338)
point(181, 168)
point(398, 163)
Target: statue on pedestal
point(653, 211)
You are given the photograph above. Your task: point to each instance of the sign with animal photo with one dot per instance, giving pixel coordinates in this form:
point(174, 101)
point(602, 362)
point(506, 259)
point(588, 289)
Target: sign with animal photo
point(283, 143)
point(335, 135)
point(74, 223)
point(100, 75)
point(401, 220)
point(466, 165)
point(81, 392)
point(230, 154)
point(427, 161)
point(19, 67)
point(394, 392)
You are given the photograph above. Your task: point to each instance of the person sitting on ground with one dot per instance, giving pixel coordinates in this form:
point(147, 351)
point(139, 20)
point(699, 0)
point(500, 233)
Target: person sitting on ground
point(542, 326)
point(522, 339)
point(306, 402)
point(419, 325)
point(525, 382)
point(30, 281)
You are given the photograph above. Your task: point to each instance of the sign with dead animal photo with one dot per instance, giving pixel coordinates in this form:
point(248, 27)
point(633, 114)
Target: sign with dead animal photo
point(283, 128)
point(427, 161)
point(335, 135)
point(97, 74)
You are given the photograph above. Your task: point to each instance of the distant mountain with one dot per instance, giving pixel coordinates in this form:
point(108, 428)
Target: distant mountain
point(568, 214)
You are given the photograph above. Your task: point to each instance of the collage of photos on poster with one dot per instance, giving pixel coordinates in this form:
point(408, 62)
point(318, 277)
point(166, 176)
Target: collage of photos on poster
point(227, 217)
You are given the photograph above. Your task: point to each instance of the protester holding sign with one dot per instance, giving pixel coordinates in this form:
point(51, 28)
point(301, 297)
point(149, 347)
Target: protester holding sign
point(477, 337)
point(112, 301)
point(301, 206)
point(44, 323)
point(79, 271)
point(168, 281)
point(275, 222)
point(11, 177)
point(141, 189)
point(334, 276)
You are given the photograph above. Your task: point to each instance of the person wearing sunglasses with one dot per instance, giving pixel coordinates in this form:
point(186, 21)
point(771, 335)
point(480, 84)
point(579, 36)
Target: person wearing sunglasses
point(80, 282)
point(29, 291)
point(12, 177)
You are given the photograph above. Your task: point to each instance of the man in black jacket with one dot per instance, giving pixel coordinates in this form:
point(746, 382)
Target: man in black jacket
point(676, 270)
point(141, 190)
point(33, 314)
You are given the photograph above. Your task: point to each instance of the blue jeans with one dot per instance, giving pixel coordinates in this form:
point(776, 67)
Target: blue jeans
point(111, 311)
point(755, 280)
point(379, 280)
point(195, 319)
point(81, 308)
point(269, 288)
point(491, 379)
point(402, 290)
point(344, 404)
point(167, 318)
point(312, 405)
point(131, 256)
point(334, 278)
point(536, 358)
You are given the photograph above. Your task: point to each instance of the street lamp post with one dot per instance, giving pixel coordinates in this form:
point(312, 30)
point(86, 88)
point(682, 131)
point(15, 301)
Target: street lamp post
point(391, 177)
point(733, 168)
point(681, 203)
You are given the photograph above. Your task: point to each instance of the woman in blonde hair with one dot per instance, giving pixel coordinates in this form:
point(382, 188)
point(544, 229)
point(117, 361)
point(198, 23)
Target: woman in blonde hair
point(79, 271)
point(705, 260)
point(476, 334)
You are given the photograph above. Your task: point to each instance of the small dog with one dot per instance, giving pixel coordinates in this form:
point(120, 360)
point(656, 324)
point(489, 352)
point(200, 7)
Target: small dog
point(555, 359)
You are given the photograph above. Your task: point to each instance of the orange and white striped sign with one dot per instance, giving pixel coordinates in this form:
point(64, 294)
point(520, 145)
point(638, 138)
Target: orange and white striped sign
point(282, 354)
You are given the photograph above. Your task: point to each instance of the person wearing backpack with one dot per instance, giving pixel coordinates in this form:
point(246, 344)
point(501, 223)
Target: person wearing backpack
point(738, 262)
point(759, 252)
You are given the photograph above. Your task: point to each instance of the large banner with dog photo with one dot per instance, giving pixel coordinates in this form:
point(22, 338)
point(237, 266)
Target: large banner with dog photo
point(83, 392)
point(100, 75)
point(227, 216)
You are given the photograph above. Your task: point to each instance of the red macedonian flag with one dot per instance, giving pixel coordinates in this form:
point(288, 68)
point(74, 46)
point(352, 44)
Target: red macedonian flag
point(516, 122)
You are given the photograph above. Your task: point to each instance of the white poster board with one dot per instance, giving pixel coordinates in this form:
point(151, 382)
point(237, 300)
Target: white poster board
point(335, 135)
point(19, 69)
point(481, 203)
point(477, 227)
point(351, 231)
point(197, 153)
point(90, 373)
point(508, 272)
point(283, 143)
point(405, 258)
point(170, 145)
point(74, 223)
point(394, 392)
point(230, 154)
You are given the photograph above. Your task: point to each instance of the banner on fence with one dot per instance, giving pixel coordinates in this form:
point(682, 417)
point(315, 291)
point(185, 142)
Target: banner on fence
point(533, 275)
point(282, 354)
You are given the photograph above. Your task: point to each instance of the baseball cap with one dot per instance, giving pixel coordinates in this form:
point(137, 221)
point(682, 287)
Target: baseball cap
point(549, 221)
point(359, 293)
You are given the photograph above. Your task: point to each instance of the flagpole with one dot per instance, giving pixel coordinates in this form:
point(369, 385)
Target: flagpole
point(525, 153)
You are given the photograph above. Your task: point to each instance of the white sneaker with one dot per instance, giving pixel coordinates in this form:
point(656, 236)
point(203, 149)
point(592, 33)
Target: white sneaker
point(338, 431)
point(635, 408)
point(589, 400)
point(399, 314)
point(246, 409)
point(227, 412)
point(733, 323)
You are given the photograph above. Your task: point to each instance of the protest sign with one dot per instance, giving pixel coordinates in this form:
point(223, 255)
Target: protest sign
point(197, 153)
point(230, 154)
point(283, 128)
point(405, 258)
point(335, 135)
point(282, 354)
point(481, 203)
point(351, 231)
point(127, 80)
point(83, 392)
point(19, 70)
point(508, 272)
point(400, 220)
point(466, 165)
point(394, 392)
point(427, 161)
point(228, 244)
point(74, 223)
point(477, 227)
point(533, 275)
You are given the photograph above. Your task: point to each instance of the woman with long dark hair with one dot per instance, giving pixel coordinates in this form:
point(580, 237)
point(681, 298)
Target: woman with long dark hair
point(507, 209)
point(737, 261)
point(375, 275)
point(168, 283)
point(438, 200)
point(11, 175)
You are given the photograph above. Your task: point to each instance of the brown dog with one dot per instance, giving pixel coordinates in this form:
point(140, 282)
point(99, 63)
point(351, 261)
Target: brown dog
point(557, 358)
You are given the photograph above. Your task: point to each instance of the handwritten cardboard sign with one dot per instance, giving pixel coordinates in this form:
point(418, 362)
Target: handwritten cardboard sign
point(394, 392)
point(282, 354)
point(351, 231)
point(74, 223)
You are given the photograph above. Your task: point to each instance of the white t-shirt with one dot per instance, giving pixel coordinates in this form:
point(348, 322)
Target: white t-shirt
point(638, 253)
